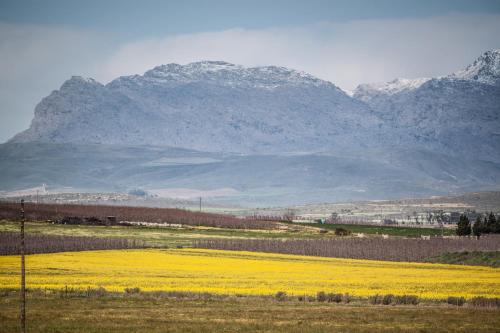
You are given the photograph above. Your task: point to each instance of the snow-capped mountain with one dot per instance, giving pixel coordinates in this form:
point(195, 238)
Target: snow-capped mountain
point(270, 134)
point(458, 113)
point(209, 106)
point(486, 69)
point(369, 91)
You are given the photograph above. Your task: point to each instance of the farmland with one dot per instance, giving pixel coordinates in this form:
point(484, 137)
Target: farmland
point(100, 213)
point(247, 273)
point(154, 314)
point(161, 237)
point(173, 286)
point(385, 230)
point(373, 248)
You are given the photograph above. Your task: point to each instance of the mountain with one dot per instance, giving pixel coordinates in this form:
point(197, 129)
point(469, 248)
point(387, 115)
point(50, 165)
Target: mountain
point(456, 114)
point(264, 135)
point(486, 69)
point(208, 106)
point(371, 92)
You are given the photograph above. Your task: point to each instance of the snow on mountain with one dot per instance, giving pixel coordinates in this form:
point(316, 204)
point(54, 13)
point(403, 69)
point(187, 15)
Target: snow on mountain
point(208, 106)
point(368, 91)
point(218, 106)
point(401, 139)
point(485, 69)
point(228, 74)
point(458, 113)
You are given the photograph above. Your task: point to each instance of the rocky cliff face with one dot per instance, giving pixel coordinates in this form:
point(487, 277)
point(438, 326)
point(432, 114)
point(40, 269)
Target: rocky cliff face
point(210, 106)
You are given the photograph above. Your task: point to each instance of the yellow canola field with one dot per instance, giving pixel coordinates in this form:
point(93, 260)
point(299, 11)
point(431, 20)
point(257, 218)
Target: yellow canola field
point(228, 272)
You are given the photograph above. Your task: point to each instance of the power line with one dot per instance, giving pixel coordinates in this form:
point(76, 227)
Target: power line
point(22, 317)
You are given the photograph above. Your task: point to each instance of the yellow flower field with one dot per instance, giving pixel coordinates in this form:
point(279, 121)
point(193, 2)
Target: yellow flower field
point(227, 272)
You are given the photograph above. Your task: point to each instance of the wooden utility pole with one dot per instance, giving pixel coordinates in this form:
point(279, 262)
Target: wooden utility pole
point(200, 204)
point(22, 316)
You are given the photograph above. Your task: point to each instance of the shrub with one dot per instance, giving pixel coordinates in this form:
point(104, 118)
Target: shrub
point(337, 298)
point(130, 291)
point(321, 296)
point(342, 232)
point(310, 298)
point(387, 299)
point(485, 302)
point(99, 292)
point(458, 301)
point(407, 299)
point(280, 296)
point(375, 299)
point(347, 298)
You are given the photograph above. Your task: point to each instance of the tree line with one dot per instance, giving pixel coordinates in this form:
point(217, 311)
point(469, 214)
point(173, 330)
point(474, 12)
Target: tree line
point(100, 213)
point(374, 248)
point(487, 224)
point(10, 245)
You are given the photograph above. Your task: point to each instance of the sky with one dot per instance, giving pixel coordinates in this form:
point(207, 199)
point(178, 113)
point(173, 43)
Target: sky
point(44, 43)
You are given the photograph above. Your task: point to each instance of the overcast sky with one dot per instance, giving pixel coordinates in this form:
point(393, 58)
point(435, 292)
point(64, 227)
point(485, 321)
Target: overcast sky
point(43, 43)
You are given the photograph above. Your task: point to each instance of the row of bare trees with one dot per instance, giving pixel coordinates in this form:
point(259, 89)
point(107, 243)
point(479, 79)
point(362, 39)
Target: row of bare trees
point(9, 243)
point(56, 212)
point(376, 248)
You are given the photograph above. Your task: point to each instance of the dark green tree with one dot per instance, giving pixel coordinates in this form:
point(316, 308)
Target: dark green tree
point(486, 230)
point(491, 223)
point(463, 226)
point(477, 227)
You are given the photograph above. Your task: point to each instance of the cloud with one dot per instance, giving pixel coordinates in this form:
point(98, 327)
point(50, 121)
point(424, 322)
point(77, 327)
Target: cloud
point(345, 53)
point(37, 59)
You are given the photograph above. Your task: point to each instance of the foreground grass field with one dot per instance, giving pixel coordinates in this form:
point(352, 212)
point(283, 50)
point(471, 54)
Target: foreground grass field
point(232, 314)
point(249, 273)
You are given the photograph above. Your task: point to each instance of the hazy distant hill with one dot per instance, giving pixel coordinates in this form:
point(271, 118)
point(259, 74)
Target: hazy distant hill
point(260, 180)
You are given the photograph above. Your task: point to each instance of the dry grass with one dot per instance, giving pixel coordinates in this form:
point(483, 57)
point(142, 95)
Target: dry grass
point(167, 314)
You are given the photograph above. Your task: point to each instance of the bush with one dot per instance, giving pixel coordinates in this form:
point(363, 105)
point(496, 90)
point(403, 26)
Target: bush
point(321, 296)
point(342, 232)
point(280, 296)
point(375, 299)
point(130, 291)
point(387, 299)
point(337, 298)
point(347, 298)
point(407, 299)
point(310, 298)
point(99, 292)
point(458, 301)
point(485, 302)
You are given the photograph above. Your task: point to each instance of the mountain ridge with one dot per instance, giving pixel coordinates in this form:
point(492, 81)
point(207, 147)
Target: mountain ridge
point(457, 112)
point(238, 109)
